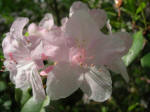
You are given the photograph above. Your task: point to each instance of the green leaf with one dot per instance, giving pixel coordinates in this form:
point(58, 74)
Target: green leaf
point(130, 5)
point(141, 7)
point(4, 35)
point(126, 11)
point(25, 96)
point(2, 86)
point(132, 107)
point(22, 96)
point(104, 109)
point(145, 61)
point(137, 46)
point(18, 94)
point(35, 106)
point(1, 4)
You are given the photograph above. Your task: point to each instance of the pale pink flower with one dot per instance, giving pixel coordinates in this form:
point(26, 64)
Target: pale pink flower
point(80, 52)
point(83, 28)
point(25, 54)
point(23, 59)
point(89, 52)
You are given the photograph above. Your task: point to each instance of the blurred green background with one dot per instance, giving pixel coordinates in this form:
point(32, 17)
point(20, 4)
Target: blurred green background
point(131, 97)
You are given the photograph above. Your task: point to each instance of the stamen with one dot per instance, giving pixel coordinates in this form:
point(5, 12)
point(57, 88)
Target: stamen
point(55, 63)
point(92, 65)
point(100, 70)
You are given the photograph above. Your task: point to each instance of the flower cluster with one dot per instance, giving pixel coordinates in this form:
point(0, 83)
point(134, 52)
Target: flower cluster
point(80, 52)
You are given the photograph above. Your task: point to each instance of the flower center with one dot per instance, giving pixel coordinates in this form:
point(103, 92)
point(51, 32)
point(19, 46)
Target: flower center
point(44, 57)
point(79, 57)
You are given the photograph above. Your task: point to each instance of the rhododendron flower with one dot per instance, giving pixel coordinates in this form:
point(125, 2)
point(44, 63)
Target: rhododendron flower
point(83, 28)
point(53, 39)
point(23, 59)
point(80, 52)
point(89, 53)
point(25, 54)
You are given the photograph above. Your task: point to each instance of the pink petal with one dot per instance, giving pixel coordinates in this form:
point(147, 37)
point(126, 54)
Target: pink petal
point(47, 22)
point(62, 81)
point(39, 63)
point(15, 48)
point(36, 53)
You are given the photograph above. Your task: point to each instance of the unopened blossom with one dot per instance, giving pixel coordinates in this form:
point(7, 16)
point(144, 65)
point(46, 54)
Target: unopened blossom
point(23, 59)
point(89, 52)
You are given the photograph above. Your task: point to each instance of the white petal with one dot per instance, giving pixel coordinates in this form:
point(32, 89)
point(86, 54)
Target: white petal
point(97, 84)
point(78, 6)
point(107, 52)
point(11, 67)
point(119, 67)
point(64, 20)
point(124, 40)
point(62, 81)
point(21, 79)
point(36, 83)
point(32, 29)
point(99, 17)
point(28, 76)
point(107, 49)
point(82, 27)
point(47, 22)
point(17, 27)
point(63, 23)
point(12, 76)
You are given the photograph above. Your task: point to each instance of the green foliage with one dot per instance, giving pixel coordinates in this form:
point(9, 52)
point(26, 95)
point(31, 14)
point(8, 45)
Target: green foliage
point(22, 96)
point(137, 46)
point(145, 61)
point(35, 106)
point(2, 85)
point(141, 7)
